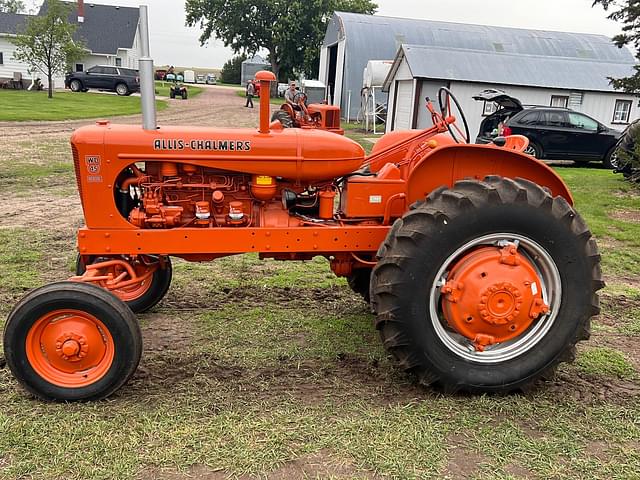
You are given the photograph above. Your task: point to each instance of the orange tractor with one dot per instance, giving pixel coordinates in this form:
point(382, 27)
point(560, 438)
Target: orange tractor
point(315, 115)
point(481, 274)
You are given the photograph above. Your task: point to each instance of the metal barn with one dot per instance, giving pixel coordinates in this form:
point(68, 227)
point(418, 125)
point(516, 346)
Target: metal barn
point(353, 39)
point(251, 66)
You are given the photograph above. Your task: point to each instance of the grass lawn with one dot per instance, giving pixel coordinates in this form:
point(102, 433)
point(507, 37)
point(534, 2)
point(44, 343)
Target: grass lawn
point(273, 369)
point(162, 89)
point(23, 106)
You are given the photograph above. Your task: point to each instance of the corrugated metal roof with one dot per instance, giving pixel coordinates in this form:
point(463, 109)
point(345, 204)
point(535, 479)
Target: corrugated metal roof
point(373, 37)
point(379, 32)
point(510, 69)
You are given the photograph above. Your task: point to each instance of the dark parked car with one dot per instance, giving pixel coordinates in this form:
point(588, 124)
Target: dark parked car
point(123, 81)
point(553, 132)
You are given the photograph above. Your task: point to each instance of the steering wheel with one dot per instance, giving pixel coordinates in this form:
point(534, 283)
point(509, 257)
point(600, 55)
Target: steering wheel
point(300, 97)
point(444, 99)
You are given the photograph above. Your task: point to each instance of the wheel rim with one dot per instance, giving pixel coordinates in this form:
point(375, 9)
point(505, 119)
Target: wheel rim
point(70, 348)
point(550, 289)
point(75, 85)
point(121, 89)
point(530, 150)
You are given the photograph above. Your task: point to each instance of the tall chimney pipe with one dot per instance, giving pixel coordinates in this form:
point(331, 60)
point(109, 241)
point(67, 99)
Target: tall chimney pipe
point(80, 11)
point(147, 87)
point(265, 78)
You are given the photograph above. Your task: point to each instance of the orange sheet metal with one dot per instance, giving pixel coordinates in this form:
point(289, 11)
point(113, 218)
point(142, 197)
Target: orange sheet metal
point(231, 241)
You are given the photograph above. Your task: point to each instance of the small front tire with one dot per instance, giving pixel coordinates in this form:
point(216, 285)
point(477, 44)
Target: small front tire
point(72, 341)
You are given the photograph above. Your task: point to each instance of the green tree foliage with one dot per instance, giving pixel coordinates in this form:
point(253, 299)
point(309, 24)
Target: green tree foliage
point(232, 70)
point(11, 6)
point(47, 44)
point(626, 12)
point(291, 31)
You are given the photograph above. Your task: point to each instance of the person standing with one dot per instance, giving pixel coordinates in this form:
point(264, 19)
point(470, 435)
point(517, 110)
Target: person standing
point(251, 91)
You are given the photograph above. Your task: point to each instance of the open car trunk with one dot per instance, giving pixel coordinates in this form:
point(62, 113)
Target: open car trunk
point(508, 106)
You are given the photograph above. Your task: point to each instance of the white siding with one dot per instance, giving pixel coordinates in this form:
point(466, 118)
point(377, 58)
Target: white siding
point(428, 88)
point(9, 64)
point(599, 105)
point(404, 103)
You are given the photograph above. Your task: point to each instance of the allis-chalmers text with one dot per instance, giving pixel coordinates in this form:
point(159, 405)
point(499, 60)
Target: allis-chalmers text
point(211, 145)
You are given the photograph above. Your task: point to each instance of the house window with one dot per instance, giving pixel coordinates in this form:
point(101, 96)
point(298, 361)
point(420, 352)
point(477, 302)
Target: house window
point(489, 108)
point(1, 59)
point(559, 101)
point(622, 112)
point(79, 67)
point(118, 62)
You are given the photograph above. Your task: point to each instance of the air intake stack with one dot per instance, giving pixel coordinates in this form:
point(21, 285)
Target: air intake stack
point(147, 87)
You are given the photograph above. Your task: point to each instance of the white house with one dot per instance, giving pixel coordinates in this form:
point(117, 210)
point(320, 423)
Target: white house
point(109, 33)
point(470, 58)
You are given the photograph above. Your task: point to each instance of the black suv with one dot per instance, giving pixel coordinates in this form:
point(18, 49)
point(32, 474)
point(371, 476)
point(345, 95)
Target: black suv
point(553, 132)
point(123, 81)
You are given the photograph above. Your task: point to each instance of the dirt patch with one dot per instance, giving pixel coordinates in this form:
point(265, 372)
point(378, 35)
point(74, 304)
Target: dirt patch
point(463, 462)
point(167, 333)
point(310, 382)
point(42, 211)
point(631, 216)
point(588, 389)
point(520, 472)
point(314, 466)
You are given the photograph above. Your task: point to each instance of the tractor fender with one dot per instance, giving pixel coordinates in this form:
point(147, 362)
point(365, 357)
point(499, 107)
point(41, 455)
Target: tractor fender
point(448, 164)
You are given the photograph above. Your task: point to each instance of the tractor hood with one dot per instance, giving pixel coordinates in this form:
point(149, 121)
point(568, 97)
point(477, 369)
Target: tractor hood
point(499, 97)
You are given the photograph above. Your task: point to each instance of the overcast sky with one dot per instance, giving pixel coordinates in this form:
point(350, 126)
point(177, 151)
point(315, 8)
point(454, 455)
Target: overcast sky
point(173, 43)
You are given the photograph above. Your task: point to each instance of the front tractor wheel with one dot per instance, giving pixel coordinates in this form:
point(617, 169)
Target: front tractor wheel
point(72, 341)
point(140, 296)
point(487, 286)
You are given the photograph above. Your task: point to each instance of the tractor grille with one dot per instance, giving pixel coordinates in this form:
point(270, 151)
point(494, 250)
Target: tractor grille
point(333, 119)
point(76, 164)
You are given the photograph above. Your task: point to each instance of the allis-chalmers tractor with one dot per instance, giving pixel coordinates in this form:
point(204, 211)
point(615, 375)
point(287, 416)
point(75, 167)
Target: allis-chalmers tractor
point(481, 275)
point(315, 115)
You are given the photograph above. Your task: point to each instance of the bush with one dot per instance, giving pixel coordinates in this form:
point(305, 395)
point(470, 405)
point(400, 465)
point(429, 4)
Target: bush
point(232, 70)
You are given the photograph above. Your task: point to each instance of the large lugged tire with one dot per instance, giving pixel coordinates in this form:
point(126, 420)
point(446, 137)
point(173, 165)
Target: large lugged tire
point(448, 267)
point(283, 117)
point(72, 341)
point(145, 296)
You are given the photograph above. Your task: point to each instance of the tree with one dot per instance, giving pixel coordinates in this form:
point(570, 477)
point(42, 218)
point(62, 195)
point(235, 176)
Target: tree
point(11, 6)
point(627, 12)
point(47, 44)
point(232, 70)
point(291, 31)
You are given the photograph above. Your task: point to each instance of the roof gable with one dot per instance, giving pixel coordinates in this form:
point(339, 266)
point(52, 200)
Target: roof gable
point(12, 23)
point(106, 28)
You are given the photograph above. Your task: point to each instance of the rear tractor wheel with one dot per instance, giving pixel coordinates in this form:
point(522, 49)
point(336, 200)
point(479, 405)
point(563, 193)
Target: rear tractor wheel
point(283, 117)
point(72, 341)
point(141, 296)
point(487, 286)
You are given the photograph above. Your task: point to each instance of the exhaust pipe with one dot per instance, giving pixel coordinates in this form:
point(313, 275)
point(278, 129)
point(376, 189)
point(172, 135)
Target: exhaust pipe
point(265, 78)
point(147, 86)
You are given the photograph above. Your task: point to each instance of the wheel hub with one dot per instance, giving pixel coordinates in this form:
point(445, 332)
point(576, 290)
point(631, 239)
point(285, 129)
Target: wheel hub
point(72, 347)
point(492, 295)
